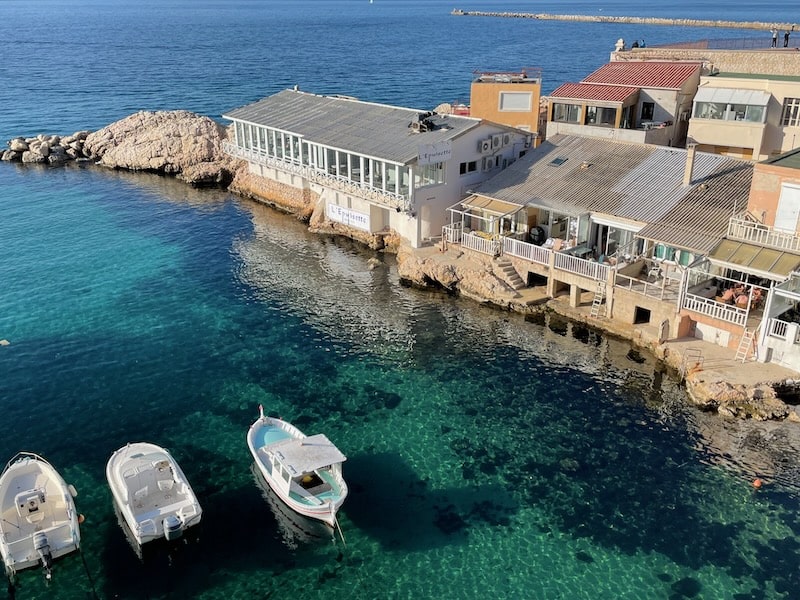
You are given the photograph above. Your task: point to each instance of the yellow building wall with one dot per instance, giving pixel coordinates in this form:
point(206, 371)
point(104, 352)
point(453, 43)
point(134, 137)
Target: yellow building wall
point(484, 103)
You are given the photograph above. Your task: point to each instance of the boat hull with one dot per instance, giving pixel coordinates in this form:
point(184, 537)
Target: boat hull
point(39, 520)
point(151, 493)
point(269, 433)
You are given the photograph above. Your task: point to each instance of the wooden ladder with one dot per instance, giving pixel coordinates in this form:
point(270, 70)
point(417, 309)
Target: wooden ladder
point(743, 352)
point(599, 296)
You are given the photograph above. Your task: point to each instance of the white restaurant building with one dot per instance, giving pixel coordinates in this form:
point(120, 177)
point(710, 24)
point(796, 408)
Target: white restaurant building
point(374, 167)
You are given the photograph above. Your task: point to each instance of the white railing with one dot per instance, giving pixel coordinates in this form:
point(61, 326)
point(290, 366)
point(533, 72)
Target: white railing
point(715, 310)
point(480, 244)
point(748, 231)
point(657, 289)
point(777, 329)
point(452, 234)
point(581, 266)
point(526, 250)
point(340, 182)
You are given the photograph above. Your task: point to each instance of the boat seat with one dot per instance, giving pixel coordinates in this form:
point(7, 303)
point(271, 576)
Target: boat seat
point(140, 494)
point(29, 505)
point(165, 485)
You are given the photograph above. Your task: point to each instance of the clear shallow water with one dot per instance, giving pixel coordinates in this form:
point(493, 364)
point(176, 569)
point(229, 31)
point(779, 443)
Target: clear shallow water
point(488, 456)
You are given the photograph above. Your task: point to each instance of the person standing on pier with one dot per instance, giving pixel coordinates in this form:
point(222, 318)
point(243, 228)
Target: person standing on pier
point(786, 39)
point(774, 32)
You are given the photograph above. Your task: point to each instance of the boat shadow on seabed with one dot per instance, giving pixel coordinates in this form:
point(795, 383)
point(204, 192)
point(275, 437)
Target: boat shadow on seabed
point(161, 551)
point(295, 529)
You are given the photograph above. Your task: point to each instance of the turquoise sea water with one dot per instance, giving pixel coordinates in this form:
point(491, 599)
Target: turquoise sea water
point(489, 456)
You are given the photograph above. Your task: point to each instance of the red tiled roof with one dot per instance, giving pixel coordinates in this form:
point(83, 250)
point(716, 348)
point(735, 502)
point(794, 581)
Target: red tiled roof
point(587, 91)
point(644, 74)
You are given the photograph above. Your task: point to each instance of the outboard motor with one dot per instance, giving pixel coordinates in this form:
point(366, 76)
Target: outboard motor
point(42, 546)
point(173, 527)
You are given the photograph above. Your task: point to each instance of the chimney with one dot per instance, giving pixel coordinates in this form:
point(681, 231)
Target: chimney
point(691, 150)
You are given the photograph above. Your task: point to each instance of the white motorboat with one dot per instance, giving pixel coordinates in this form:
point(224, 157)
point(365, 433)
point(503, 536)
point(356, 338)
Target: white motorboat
point(38, 520)
point(304, 471)
point(151, 492)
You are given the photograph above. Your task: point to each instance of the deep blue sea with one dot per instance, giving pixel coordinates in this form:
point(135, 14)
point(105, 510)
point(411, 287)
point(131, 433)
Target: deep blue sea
point(489, 456)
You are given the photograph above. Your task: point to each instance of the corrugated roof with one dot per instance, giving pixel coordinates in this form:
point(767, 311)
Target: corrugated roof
point(375, 130)
point(787, 160)
point(643, 183)
point(645, 74)
point(590, 91)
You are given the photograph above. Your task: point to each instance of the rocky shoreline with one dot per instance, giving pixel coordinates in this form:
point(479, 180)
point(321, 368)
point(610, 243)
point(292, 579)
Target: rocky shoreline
point(189, 146)
point(179, 143)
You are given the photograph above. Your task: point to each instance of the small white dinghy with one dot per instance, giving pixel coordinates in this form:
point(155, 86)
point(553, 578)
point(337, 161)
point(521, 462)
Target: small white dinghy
point(304, 471)
point(38, 522)
point(151, 492)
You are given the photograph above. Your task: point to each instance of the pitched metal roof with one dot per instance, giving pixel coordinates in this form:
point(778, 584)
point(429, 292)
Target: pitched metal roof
point(644, 183)
point(645, 74)
point(375, 130)
point(591, 91)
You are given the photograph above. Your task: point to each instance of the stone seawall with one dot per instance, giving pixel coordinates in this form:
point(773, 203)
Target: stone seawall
point(629, 20)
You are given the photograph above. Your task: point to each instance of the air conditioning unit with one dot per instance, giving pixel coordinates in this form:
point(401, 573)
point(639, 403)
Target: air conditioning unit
point(506, 139)
point(528, 140)
point(685, 115)
point(488, 163)
point(485, 146)
point(497, 141)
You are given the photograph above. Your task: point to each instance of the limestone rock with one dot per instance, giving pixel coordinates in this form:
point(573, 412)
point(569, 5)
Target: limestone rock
point(759, 402)
point(164, 142)
point(30, 156)
point(207, 173)
point(18, 145)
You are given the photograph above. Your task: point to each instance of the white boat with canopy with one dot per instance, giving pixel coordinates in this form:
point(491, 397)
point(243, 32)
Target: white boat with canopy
point(151, 492)
point(38, 520)
point(304, 471)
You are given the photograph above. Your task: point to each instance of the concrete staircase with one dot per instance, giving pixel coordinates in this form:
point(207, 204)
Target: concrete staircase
point(506, 271)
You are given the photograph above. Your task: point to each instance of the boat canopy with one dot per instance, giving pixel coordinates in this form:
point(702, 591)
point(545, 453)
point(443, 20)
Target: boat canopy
point(307, 454)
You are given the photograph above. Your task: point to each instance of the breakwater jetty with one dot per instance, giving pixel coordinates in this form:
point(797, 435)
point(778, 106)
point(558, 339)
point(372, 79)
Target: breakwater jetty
point(756, 25)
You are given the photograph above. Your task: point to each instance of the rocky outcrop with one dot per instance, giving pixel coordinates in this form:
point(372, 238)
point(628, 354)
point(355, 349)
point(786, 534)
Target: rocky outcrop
point(759, 402)
point(179, 143)
point(46, 149)
point(476, 280)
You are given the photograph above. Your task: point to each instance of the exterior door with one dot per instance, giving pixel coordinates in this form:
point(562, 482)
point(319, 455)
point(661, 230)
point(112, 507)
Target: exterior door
point(788, 208)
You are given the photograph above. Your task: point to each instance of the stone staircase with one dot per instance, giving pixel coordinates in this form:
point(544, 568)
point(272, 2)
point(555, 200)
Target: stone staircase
point(506, 271)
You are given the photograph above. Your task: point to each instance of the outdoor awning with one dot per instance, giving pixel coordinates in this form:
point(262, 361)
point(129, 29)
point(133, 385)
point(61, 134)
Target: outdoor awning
point(732, 96)
point(490, 205)
point(307, 454)
point(755, 260)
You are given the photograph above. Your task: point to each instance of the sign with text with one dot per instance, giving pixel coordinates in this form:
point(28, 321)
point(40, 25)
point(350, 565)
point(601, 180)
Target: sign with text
point(348, 217)
point(430, 154)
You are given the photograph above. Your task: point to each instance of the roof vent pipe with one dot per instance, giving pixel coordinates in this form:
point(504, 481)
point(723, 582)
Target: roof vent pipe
point(691, 150)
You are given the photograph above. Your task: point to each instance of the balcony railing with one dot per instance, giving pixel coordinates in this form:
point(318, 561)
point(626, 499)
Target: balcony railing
point(715, 310)
point(452, 233)
point(484, 245)
point(662, 289)
point(581, 266)
point(747, 231)
point(533, 253)
point(339, 182)
point(777, 329)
